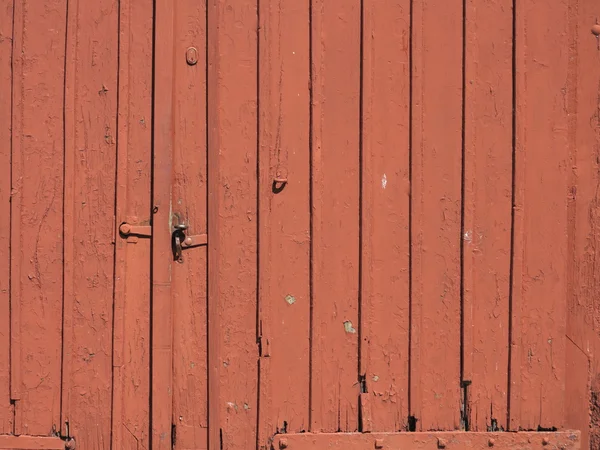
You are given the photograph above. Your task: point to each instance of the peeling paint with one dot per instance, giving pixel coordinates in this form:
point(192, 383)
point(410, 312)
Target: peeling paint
point(290, 299)
point(348, 327)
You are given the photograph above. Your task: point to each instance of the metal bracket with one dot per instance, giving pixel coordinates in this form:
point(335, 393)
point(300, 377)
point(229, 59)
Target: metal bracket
point(195, 240)
point(448, 440)
point(132, 231)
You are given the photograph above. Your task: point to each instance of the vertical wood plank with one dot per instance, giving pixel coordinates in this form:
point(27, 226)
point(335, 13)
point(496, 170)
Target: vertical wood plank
point(131, 342)
point(540, 276)
point(37, 210)
point(583, 215)
point(436, 214)
point(487, 210)
point(70, 133)
point(335, 223)
point(189, 207)
point(385, 211)
point(162, 159)
point(284, 217)
point(89, 199)
point(6, 85)
point(213, 154)
point(15, 212)
point(131, 384)
point(236, 86)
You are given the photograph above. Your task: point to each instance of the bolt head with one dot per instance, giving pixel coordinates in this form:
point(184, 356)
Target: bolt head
point(491, 442)
point(545, 441)
point(70, 444)
point(125, 228)
point(378, 443)
point(191, 56)
point(283, 443)
point(596, 29)
point(441, 443)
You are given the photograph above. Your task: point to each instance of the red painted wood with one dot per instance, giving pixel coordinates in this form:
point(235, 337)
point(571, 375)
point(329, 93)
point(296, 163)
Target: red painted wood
point(213, 118)
point(540, 249)
point(332, 302)
point(6, 29)
point(189, 206)
point(583, 217)
point(569, 440)
point(31, 443)
point(161, 393)
point(385, 212)
point(235, 186)
point(284, 217)
point(37, 214)
point(487, 210)
point(436, 215)
point(577, 398)
point(335, 44)
point(89, 198)
point(131, 344)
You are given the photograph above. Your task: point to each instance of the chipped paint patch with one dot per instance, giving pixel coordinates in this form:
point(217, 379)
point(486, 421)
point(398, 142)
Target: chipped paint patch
point(231, 405)
point(290, 299)
point(383, 181)
point(375, 378)
point(348, 327)
point(468, 236)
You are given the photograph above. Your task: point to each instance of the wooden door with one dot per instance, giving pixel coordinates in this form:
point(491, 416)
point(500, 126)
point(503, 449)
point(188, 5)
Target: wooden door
point(361, 176)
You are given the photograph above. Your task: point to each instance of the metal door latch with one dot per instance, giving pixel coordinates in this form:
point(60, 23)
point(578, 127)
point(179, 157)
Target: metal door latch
point(132, 232)
point(181, 241)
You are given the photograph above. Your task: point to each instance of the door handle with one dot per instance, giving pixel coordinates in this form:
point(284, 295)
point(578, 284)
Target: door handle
point(182, 241)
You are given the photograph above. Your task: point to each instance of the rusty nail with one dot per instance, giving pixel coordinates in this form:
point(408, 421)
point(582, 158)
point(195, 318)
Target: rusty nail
point(545, 441)
point(491, 442)
point(596, 29)
point(191, 56)
point(441, 443)
point(378, 443)
point(283, 443)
